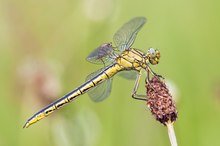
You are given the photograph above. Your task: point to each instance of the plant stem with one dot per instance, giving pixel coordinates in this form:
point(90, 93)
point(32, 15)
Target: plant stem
point(171, 134)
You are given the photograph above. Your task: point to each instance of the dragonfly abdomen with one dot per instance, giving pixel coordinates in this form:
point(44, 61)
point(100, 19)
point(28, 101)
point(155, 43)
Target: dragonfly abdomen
point(102, 76)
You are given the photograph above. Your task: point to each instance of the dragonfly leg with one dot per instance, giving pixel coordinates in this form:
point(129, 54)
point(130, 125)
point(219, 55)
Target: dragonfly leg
point(134, 92)
point(149, 70)
point(147, 80)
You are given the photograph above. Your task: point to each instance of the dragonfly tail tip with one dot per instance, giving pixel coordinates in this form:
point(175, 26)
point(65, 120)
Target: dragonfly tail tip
point(26, 125)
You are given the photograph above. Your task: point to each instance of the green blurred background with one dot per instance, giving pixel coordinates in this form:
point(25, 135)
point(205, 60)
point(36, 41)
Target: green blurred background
point(43, 46)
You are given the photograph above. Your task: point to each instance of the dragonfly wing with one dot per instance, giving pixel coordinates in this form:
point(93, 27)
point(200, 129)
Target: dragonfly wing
point(101, 91)
point(102, 54)
point(130, 75)
point(126, 35)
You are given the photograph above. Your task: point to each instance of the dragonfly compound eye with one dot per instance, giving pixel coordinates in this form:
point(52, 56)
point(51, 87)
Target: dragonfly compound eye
point(153, 56)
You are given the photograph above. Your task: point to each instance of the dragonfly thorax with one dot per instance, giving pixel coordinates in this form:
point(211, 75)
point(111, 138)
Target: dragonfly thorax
point(133, 59)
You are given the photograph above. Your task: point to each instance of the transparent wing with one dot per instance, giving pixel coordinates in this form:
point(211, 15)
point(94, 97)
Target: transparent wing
point(126, 35)
point(101, 55)
point(130, 75)
point(101, 91)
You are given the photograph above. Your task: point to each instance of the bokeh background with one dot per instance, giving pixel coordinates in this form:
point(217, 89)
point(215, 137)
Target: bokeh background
point(43, 46)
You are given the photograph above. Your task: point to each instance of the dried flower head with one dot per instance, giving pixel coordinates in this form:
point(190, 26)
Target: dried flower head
point(160, 101)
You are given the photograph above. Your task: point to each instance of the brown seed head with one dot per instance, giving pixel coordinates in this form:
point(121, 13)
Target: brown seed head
point(160, 101)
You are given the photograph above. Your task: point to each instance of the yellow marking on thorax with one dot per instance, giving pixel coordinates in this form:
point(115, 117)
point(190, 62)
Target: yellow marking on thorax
point(131, 59)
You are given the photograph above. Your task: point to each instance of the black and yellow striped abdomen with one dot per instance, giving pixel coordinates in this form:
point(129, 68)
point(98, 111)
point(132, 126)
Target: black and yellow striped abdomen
point(105, 74)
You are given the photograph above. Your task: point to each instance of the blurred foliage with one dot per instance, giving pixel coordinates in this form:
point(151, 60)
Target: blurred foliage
point(43, 46)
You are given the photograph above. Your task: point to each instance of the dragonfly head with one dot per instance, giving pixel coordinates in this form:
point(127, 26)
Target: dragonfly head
point(153, 55)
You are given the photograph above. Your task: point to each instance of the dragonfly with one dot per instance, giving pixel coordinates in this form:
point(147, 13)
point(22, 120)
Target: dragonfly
point(130, 62)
